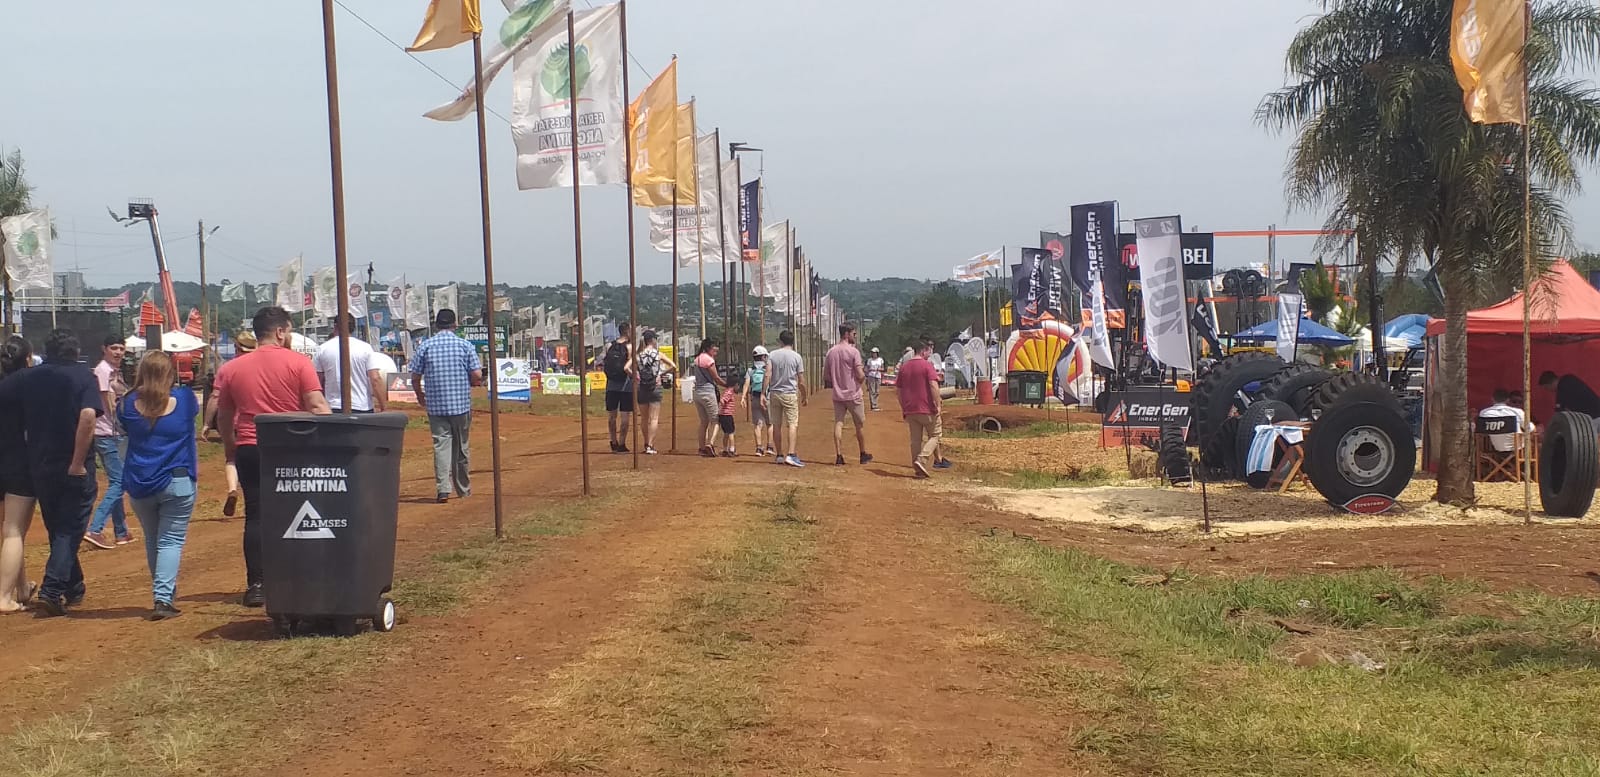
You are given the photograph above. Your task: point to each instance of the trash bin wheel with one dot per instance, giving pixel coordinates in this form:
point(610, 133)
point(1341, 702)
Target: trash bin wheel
point(386, 617)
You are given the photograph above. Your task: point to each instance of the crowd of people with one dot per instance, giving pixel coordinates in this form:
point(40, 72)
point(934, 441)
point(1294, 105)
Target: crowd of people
point(61, 420)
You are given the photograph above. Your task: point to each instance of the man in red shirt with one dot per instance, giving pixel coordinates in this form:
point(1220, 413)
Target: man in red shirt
point(270, 379)
point(918, 387)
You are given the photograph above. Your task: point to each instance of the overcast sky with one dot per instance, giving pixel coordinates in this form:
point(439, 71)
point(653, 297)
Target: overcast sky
point(901, 137)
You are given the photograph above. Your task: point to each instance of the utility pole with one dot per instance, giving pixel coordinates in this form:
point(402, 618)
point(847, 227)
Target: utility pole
point(205, 303)
point(371, 312)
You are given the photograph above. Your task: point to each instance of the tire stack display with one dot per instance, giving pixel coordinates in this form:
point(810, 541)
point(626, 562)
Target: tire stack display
point(1174, 457)
point(1359, 444)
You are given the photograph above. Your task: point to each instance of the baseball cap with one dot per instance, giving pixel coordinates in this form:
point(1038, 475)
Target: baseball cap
point(760, 350)
point(876, 351)
point(445, 318)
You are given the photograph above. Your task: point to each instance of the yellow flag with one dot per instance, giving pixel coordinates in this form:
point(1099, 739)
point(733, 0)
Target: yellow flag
point(1486, 40)
point(448, 23)
point(653, 125)
point(660, 195)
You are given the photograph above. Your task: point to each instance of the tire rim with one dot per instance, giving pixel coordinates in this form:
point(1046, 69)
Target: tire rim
point(1365, 456)
point(388, 616)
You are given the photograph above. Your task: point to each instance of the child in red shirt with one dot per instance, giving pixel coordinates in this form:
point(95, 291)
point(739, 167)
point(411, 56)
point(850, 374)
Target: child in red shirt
point(729, 400)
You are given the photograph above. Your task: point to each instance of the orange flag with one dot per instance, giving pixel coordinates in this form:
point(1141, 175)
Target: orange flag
point(1486, 41)
point(652, 123)
point(448, 23)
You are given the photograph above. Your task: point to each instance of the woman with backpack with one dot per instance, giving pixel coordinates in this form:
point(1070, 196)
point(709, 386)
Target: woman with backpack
point(618, 366)
point(707, 383)
point(655, 374)
point(754, 395)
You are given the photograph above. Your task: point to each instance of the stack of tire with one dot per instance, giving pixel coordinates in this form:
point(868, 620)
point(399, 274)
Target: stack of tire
point(1360, 444)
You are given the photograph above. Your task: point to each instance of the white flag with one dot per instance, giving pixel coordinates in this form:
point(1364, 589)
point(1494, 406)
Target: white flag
point(395, 296)
point(730, 213)
point(774, 263)
point(358, 296)
point(416, 307)
point(1166, 330)
point(265, 294)
point(325, 292)
point(233, 292)
point(292, 285)
point(963, 273)
point(447, 297)
point(541, 95)
point(1289, 314)
point(27, 250)
point(529, 20)
point(1098, 335)
point(709, 250)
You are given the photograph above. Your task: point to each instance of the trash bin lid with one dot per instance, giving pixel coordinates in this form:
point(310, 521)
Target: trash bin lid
point(389, 420)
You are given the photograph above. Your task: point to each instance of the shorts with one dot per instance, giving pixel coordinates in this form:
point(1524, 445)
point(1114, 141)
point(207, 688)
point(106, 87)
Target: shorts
point(852, 409)
point(619, 400)
point(649, 397)
point(786, 409)
point(726, 422)
point(16, 483)
point(705, 403)
point(758, 414)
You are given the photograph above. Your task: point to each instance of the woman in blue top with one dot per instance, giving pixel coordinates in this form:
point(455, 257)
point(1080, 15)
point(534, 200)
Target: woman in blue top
point(159, 474)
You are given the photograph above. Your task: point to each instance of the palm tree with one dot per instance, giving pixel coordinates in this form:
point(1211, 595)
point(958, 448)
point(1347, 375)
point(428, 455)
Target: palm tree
point(1384, 144)
point(15, 193)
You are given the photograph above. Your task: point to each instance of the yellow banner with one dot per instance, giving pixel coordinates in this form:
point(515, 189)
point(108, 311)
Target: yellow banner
point(1486, 40)
point(448, 23)
point(653, 123)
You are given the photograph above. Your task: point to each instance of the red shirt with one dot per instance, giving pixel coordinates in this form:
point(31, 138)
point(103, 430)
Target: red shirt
point(912, 385)
point(272, 379)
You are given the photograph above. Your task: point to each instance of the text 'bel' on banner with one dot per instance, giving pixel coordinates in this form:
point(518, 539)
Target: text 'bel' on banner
point(541, 103)
point(1166, 320)
point(1289, 307)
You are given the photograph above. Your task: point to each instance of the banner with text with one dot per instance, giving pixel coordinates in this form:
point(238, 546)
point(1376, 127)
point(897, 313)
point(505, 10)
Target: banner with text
point(1166, 307)
point(541, 104)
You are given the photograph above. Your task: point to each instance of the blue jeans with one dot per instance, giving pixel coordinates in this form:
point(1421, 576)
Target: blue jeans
point(165, 518)
point(64, 504)
point(109, 450)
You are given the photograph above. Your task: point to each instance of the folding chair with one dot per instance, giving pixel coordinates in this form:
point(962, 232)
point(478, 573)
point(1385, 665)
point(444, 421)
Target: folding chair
point(1491, 464)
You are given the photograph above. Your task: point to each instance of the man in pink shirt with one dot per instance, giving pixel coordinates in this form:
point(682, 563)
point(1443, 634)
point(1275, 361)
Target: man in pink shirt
point(918, 387)
point(846, 372)
point(270, 379)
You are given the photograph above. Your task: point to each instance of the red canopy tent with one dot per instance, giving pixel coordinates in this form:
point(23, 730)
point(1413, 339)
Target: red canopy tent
point(1566, 339)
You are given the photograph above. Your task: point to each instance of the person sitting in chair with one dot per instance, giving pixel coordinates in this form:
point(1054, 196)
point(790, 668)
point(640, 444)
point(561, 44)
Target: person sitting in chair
point(1502, 408)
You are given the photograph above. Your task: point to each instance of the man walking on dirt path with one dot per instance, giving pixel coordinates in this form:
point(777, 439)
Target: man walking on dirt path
point(918, 387)
point(58, 402)
point(109, 445)
point(618, 365)
point(367, 393)
point(846, 374)
point(875, 368)
point(787, 394)
point(271, 379)
point(443, 372)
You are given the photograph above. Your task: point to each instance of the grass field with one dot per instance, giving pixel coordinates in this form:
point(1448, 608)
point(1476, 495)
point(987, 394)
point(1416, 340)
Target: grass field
point(1347, 674)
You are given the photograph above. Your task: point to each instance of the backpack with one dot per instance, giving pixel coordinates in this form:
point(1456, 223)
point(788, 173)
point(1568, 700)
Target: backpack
point(616, 363)
point(648, 379)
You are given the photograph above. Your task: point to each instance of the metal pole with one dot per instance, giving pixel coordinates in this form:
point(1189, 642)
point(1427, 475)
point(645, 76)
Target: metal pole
point(493, 367)
point(675, 354)
point(633, 271)
point(205, 307)
point(336, 163)
point(722, 242)
point(1527, 265)
point(577, 246)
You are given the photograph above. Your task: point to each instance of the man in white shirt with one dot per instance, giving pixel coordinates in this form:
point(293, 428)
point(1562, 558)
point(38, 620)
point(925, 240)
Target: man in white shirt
point(366, 382)
point(1502, 407)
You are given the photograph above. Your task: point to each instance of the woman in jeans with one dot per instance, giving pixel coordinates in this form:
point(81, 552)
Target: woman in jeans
point(706, 383)
point(16, 486)
point(159, 474)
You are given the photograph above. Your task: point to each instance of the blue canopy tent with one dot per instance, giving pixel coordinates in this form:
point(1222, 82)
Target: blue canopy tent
point(1311, 333)
point(1411, 328)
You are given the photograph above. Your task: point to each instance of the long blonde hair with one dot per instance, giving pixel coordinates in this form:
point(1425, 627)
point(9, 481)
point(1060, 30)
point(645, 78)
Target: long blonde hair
point(153, 384)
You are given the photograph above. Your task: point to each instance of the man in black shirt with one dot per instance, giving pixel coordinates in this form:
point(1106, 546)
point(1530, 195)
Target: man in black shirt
point(1571, 394)
point(58, 402)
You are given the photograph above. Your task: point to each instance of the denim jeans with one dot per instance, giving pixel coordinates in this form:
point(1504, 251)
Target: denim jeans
point(109, 449)
point(451, 454)
point(64, 505)
point(165, 518)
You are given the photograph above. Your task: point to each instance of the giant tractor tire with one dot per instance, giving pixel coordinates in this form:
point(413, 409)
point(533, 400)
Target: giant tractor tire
point(1175, 463)
point(1352, 387)
point(1569, 465)
point(1295, 385)
point(1360, 449)
point(1216, 399)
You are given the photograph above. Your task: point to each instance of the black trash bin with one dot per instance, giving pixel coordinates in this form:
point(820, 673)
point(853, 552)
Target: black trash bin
point(330, 489)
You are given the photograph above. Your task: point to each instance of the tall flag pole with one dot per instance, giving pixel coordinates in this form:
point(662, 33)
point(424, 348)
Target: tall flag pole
point(675, 355)
point(449, 23)
point(336, 166)
point(1488, 46)
point(633, 269)
point(577, 249)
point(722, 244)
